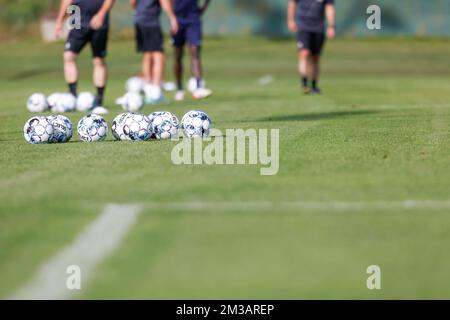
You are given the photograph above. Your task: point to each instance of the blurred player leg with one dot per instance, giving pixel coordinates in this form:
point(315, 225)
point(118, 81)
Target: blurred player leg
point(194, 39)
point(303, 66)
point(147, 67)
point(153, 90)
point(99, 41)
point(196, 67)
point(178, 42)
point(315, 71)
point(196, 64)
point(317, 42)
point(150, 43)
point(100, 76)
point(158, 62)
point(178, 70)
point(71, 71)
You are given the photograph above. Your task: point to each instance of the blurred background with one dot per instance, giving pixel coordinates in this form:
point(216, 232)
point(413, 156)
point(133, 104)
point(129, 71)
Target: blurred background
point(263, 17)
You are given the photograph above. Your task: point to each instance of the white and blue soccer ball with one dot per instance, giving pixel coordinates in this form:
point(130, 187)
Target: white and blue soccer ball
point(132, 102)
point(192, 84)
point(135, 84)
point(117, 126)
point(92, 128)
point(169, 86)
point(66, 102)
point(164, 125)
point(62, 128)
point(153, 93)
point(100, 110)
point(38, 130)
point(53, 99)
point(85, 101)
point(37, 102)
point(196, 124)
point(136, 127)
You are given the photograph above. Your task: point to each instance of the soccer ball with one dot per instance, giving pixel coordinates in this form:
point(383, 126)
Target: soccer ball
point(132, 102)
point(100, 110)
point(134, 84)
point(196, 124)
point(137, 127)
point(38, 130)
point(37, 103)
point(53, 99)
point(169, 86)
point(92, 128)
point(117, 126)
point(85, 101)
point(164, 125)
point(65, 103)
point(192, 84)
point(62, 128)
point(153, 93)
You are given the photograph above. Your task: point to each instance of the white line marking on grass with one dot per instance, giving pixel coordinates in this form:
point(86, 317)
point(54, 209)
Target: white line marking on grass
point(105, 234)
point(265, 80)
point(299, 205)
point(95, 243)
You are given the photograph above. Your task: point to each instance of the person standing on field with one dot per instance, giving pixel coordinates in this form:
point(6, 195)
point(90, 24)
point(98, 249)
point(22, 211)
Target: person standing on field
point(150, 42)
point(94, 30)
point(189, 14)
point(307, 19)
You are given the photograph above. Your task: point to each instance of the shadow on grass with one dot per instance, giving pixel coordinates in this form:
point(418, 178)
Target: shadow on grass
point(124, 142)
point(317, 116)
point(23, 75)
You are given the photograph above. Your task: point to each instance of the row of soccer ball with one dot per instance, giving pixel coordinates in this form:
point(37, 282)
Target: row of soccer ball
point(66, 102)
point(60, 102)
point(126, 126)
point(132, 101)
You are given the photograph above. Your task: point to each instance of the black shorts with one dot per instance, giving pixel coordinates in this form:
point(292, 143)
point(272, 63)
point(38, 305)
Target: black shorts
point(78, 38)
point(149, 39)
point(190, 33)
point(311, 40)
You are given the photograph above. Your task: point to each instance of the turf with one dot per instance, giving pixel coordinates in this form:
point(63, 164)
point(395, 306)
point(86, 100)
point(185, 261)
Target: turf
point(380, 132)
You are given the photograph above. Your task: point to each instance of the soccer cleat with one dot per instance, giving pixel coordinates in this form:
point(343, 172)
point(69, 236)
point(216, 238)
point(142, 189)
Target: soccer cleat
point(201, 93)
point(306, 90)
point(315, 91)
point(179, 96)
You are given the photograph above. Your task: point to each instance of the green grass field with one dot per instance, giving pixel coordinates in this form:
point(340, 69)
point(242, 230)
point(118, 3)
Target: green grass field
point(380, 133)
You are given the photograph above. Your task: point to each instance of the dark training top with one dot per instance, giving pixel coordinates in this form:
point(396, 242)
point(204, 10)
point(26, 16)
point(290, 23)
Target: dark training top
point(187, 11)
point(88, 9)
point(311, 15)
point(147, 13)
